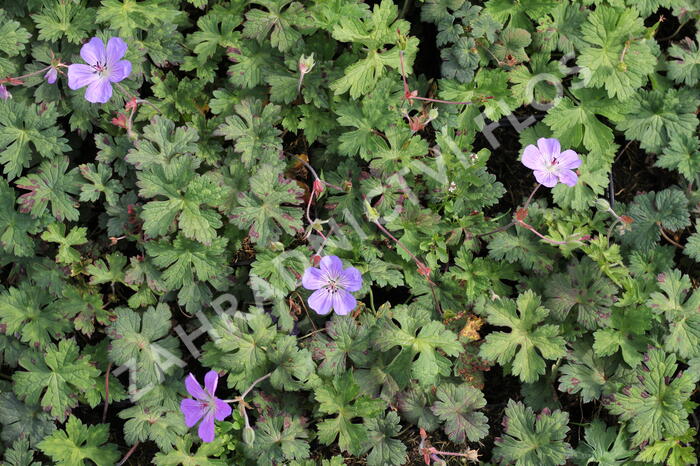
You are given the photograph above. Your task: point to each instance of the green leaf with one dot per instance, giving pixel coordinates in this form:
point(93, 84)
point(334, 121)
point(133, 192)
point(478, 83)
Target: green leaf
point(676, 451)
point(185, 260)
point(55, 233)
point(582, 289)
point(254, 130)
point(22, 421)
point(142, 343)
point(531, 440)
point(15, 228)
point(281, 18)
point(344, 341)
point(603, 445)
point(80, 442)
point(342, 398)
point(127, 16)
point(577, 123)
point(162, 426)
point(51, 183)
point(72, 20)
point(616, 56)
point(417, 335)
point(22, 125)
point(588, 374)
point(262, 211)
point(20, 454)
point(190, 200)
point(653, 406)
point(692, 246)
point(518, 14)
point(181, 455)
point(415, 407)
point(111, 272)
point(160, 143)
point(292, 365)
point(680, 309)
point(626, 333)
point(13, 37)
point(457, 407)
point(374, 31)
point(686, 69)
point(528, 83)
point(562, 31)
point(280, 439)
point(33, 313)
point(101, 182)
point(385, 450)
point(244, 344)
point(683, 155)
point(656, 118)
point(529, 342)
point(651, 211)
point(61, 372)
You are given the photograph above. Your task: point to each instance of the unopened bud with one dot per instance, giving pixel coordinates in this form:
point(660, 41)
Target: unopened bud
point(318, 187)
point(4, 93)
point(306, 64)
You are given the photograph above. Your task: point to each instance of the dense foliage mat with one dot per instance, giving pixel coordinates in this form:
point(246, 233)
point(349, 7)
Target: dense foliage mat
point(333, 232)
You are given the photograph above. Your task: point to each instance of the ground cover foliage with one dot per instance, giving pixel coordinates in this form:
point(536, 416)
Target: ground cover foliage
point(495, 320)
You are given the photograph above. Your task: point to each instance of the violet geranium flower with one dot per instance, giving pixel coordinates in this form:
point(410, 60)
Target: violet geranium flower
point(205, 405)
point(104, 67)
point(549, 164)
point(332, 285)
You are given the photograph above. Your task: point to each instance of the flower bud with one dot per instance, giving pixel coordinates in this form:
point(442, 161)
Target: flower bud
point(4, 93)
point(306, 64)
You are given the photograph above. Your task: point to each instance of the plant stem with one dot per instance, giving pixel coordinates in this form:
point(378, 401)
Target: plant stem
point(405, 8)
point(371, 300)
point(28, 75)
point(527, 203)
point(104, 410)
point(667, 238)
point(128, 454)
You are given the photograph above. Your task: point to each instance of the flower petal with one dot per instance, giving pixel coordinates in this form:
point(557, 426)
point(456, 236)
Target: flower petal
point(321, 301)
point(51, 76)
point(99, 91)
point(351, 279)
point(116, 49)
point(223, 410)
point(94, 52)
point(80, 76)
point(211, 379)
point(568, 177)
point(193, 388)
point(206, 428)
point(343, 302)
point(192, 410)
point(119, 71)
point(546, 178)
point(569, 160)
point(313, 279)
point(332, 265)
point(532, 158)
point(549, 146)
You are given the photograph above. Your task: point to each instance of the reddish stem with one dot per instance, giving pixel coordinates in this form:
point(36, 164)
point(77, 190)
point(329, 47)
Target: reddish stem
point(104, 410)
point(128, 454)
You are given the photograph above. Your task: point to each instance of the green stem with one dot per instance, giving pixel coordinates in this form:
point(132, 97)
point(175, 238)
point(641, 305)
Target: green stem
point(405, 8)
point(371, 300)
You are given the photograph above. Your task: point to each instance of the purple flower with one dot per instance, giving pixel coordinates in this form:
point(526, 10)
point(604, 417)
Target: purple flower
point(550, 164)
point(205, 405)
point(4, 93)
point(332, 284)
point(51, 75)
point(104, 68)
